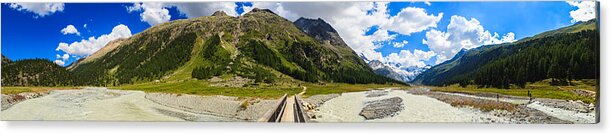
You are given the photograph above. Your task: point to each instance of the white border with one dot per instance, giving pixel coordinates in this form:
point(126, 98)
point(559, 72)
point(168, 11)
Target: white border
point(202, 128)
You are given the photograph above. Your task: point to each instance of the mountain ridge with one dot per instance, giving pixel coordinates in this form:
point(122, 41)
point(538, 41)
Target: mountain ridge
point(259, 45)
point(475, 64)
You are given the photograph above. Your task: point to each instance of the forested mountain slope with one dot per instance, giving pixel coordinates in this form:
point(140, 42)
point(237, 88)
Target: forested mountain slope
point(259, 45)
point(564, 54)
point(34, 72)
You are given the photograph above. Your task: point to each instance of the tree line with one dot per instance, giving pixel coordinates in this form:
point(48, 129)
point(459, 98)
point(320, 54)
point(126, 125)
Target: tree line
point(561, 58)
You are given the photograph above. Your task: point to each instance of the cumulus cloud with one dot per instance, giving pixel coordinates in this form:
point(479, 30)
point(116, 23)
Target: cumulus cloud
point(92, 44)
point(153, 13)
point(399, 44)
point(462, 33)
point(40, 9)
point(156, 12)
point(70, 29)
point(193, 10)
point(63, 57)
point(382, 35)
point(59, 62)
point(586, 10)
point(408, 59)
point(353, 19)
point(411, 20)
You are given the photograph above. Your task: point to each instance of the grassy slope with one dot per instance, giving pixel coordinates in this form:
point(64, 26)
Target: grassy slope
point(540, 89)
point(184, 72)
point(589, 25)
point(202, 88)
point(337, 88)
point(196, 87)
point(16, 90)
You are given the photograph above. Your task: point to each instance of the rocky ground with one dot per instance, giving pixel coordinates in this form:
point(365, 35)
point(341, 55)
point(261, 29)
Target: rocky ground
point(12, 99)
point(382, 108)
point(519, 109)
point(106, 105)
point(317, 100)
point(570, 105)
point(376, 93)
point(423, 105)
point(224, 106)
point(235, 82)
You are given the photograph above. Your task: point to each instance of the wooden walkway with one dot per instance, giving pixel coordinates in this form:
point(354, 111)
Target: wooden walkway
point(288, 109)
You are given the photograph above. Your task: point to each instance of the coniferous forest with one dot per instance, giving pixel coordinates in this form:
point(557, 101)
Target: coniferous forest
point(560, 57)
point(34, 72)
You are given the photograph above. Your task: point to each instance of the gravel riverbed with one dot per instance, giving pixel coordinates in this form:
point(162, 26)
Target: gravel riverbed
point(215, 105)
point(100, 104)
point(421, 105)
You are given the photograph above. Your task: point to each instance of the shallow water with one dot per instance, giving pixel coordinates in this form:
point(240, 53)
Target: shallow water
point(99, 104)
point(417, 108)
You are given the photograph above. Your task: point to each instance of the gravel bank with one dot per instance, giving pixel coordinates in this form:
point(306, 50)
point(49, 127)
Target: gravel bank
point(318, 100)
point(572, 115)
point(416, 108)
point(382, 108)
point(422, 105)
point(214, 105)
point(100, 104)
point(518, 110)
point(376, 93)
point(12, 99)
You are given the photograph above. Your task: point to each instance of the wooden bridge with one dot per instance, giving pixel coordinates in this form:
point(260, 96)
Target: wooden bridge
point(288, 109)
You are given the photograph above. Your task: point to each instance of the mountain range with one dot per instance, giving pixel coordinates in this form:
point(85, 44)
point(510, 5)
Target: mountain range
point(563, 54)
point(395, 71)
point(269, 49)
point(259, 45)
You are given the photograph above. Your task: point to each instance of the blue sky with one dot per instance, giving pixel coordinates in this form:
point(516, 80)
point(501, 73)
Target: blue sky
point(34, 31)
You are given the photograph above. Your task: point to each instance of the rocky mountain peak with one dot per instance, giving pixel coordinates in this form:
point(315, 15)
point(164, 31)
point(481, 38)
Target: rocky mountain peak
point(319, 23)
point(219, 13)
point(259, 10)
point(376, 64)
point(320, 30)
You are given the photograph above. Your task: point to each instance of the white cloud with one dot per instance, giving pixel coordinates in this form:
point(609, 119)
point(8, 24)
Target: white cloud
point(586, 10)
point(411, 20)
point(59, 62)
point(399, 44)
point(70, 29)
point(193, 10)
point(382, 35)
point(155, 12)
point(353, 19)
point(92, 44)
point(63, 57)
point(461, 33)
point(40, 9)
point(408, 59)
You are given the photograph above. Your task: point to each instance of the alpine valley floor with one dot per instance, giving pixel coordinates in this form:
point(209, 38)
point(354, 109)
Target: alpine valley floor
point(377, 104)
